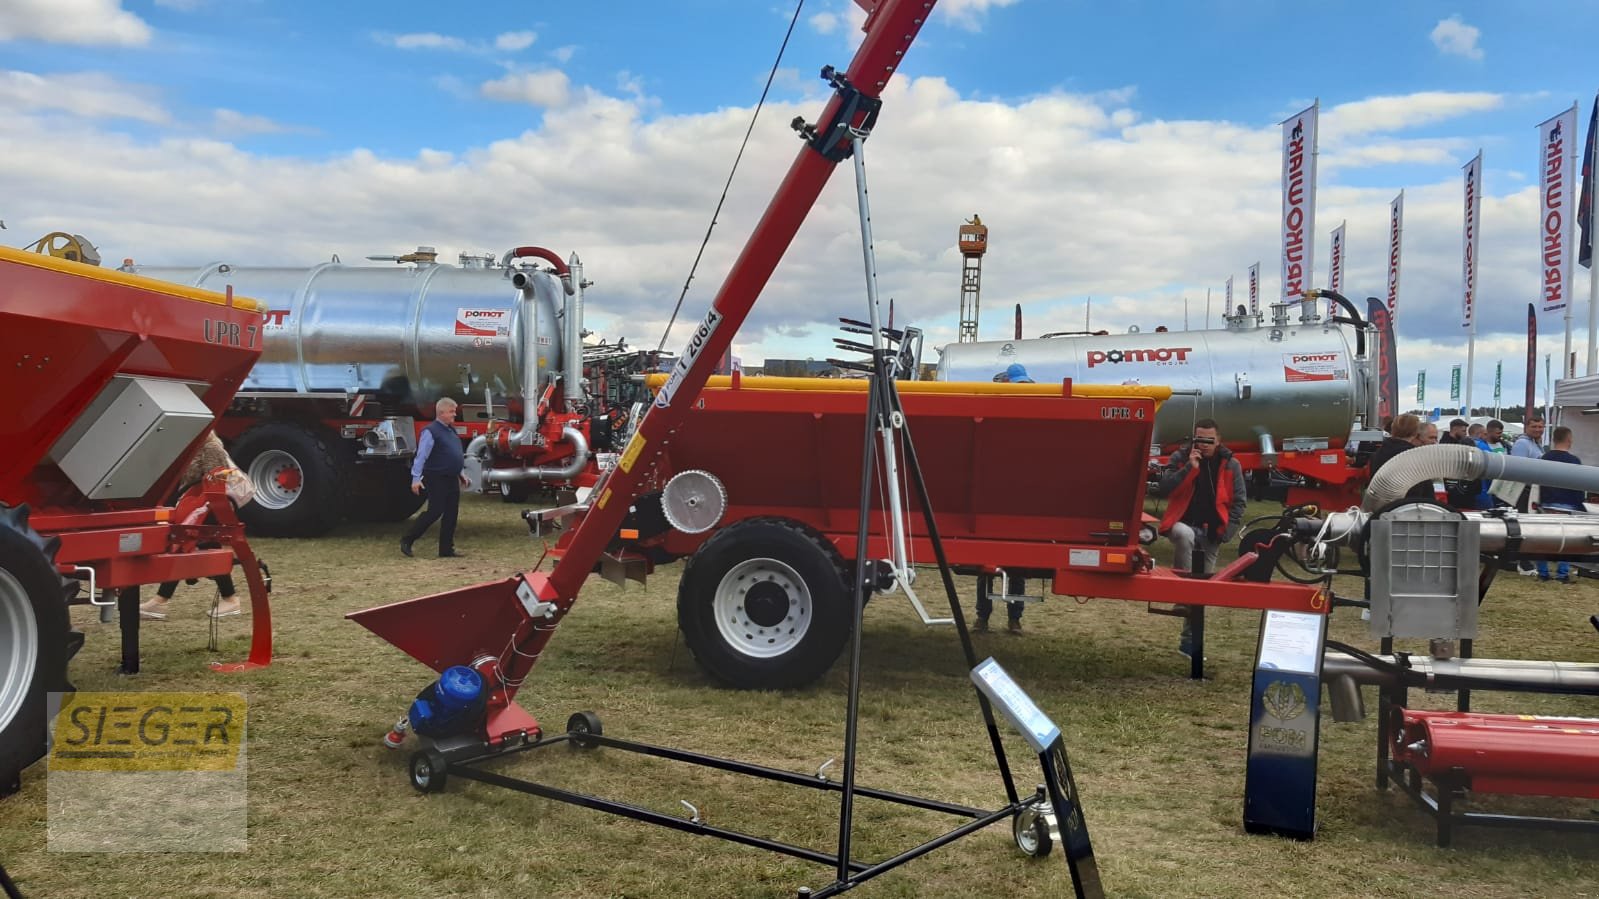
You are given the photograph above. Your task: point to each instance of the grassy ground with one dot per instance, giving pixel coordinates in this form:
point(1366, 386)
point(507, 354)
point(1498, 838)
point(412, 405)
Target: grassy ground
point(1158, 759)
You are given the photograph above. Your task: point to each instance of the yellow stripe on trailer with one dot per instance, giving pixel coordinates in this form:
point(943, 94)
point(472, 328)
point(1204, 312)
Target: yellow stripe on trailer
point(125, 279)
point(958, 388)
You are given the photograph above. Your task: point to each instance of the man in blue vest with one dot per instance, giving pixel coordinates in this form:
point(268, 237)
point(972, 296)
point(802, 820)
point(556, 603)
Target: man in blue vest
point(437, 470)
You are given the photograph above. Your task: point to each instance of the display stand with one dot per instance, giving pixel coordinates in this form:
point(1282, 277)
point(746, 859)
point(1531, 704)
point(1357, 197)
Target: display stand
point(1285, 726)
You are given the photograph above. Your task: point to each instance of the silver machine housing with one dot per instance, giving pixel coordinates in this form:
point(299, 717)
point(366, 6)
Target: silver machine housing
point(1300, 381)
point(410, 334)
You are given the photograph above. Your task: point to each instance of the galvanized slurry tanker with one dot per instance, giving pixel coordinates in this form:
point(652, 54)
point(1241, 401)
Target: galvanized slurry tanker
point(112, 383)
point(356, 356)
point(1287, 391)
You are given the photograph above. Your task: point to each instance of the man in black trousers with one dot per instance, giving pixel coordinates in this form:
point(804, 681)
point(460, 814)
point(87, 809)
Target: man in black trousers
point(437, 470)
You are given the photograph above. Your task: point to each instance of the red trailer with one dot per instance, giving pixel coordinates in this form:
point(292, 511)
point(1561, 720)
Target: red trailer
point(1037, 481)
point(114, 380)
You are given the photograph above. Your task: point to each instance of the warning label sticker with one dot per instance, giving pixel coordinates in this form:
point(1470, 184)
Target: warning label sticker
point(482, 322)
point(1315, 367)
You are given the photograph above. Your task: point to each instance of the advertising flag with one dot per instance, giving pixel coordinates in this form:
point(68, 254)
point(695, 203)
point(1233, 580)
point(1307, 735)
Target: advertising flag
point(1299, 202)
point(1335, 266)
point(1230, 309)
point(1396, 227)
point(1454, 384)
point(1421, 388)
point(1532, 355)
point(1387, 358)
point(1585, 205)
point(1254, 289)
point(1557, 145)
point(1499, 373)
point(1468, 255)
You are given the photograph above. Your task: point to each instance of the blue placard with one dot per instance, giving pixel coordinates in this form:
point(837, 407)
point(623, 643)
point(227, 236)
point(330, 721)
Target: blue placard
point(1017, 707)
point(1284, 726)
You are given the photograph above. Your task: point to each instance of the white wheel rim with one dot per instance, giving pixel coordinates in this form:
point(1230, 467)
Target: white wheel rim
point(19, 647)
point(266, 471)
point(1027, 831)
point(763, 608)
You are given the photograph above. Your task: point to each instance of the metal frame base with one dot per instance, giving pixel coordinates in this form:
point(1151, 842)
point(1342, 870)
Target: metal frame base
point(463, 759)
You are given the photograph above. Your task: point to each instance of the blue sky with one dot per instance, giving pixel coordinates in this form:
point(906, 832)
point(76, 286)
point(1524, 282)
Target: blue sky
point(1121, 151)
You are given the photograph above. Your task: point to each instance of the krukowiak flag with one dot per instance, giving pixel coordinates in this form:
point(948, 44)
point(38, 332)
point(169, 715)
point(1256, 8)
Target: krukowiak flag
point(1335, 266)
point(1557, 144)
point(1585, 205)
point(1396, 229)
point(1468, 255)
point(1254, 289)
point(1299, 202)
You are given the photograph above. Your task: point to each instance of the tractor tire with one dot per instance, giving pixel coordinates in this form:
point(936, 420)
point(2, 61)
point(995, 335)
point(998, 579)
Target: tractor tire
point(301, 477)
point(382, 491)
point(34, 642)
point(763, 605)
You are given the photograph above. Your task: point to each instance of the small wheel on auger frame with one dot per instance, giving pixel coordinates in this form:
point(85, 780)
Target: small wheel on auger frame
point(429, 770)
point(583, 723)
point(1030, 828)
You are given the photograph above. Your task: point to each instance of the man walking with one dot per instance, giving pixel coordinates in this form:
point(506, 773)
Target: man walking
point(437, 470)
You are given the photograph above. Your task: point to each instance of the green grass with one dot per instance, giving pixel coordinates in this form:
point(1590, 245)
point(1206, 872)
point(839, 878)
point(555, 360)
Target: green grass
point(1158, 759)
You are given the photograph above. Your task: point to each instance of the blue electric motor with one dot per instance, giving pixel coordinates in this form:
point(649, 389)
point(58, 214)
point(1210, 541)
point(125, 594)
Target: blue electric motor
point(451, 705)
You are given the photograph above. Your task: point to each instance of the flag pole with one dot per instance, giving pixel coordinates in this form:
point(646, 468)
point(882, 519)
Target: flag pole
point(1566, 367)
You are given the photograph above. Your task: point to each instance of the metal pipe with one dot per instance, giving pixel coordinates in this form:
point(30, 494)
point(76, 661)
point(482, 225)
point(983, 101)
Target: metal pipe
point(1541, 535)
point(570, 468)
point(1468, 463)
point(574, 388)
point(531, 373)
point(561, 271)
point(1533, 676)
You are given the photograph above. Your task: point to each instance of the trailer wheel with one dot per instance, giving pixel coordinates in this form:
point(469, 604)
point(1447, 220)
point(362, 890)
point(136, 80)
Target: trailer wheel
point(33, 642)
point(579, 726)
point(300, 475)
point(429, 770)
point(763, 605)
point(1030, 830)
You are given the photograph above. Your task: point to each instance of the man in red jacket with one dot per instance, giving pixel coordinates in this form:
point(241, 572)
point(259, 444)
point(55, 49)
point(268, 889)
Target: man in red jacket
point(1205, 498)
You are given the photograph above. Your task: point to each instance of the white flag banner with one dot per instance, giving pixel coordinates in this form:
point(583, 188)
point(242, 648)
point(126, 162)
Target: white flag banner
point(1468, 255)
point(1396, 228)
point(1335, 266)
point(1230, 309)
point(1254, 289)
point(1557, 146)
point(1299, 202)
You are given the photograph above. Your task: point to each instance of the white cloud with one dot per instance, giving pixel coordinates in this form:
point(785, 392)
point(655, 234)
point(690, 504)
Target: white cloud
point(547, 88)
point(824, 22)
point(512, 41)
point(1453, 37)
point(90, 95)
point(1086, 197)
point(423, 41)
point(1395, 113)
point(84, 22)
point(231, 123)
point(564, 54)
point(968, 14)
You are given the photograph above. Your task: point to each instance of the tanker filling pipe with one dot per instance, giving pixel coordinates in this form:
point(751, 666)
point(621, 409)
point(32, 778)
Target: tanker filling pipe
point(1355, 317)
point(520, 278)
point(1468, 463)
point(573, 388)
point(479, 446)
point(527, 435)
